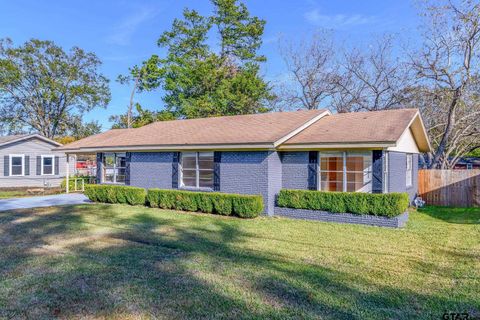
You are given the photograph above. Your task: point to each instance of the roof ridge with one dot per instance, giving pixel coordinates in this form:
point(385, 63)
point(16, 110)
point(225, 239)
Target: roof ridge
point(237, 115)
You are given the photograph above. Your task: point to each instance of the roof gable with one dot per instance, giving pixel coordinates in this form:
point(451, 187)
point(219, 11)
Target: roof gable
point(6, 140)
point(380, 128)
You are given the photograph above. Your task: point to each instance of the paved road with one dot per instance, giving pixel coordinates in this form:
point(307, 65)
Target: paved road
point(44, 201)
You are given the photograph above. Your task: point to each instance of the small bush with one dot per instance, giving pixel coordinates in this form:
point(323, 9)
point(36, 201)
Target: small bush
point(388, 204)
point(115, 194)
point(71, 182)
point(222, 204)
point(244, 206)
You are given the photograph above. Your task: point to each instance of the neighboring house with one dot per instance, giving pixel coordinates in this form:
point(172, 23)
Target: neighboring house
point(468, 163)
point(263, 153)
point(30, 160)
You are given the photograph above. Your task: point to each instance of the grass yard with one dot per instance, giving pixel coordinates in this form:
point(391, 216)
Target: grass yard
point(114, 261)
point(20, 193)
point(12, 194)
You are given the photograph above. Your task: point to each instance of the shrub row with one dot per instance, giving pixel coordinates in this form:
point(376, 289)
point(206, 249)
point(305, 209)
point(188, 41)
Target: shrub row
point(243, 206)
point(387, 205)
point(115, 194)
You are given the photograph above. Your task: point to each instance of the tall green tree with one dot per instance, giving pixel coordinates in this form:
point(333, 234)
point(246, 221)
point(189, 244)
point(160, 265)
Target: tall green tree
point(139, 118)
point(47, 90)
point(203, 80)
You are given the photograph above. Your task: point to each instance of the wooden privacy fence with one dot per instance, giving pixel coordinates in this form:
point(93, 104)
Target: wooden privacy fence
point(456, 188)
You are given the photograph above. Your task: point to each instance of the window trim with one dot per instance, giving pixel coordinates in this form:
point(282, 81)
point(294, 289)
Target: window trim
point(409, 172)
point(385, 172)
point(11, 163)
point(42, 164)
point(344, 169)
point(197, 171)
point(115, 168)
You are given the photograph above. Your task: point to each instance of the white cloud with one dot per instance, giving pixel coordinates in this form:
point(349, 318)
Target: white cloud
point(123, 32)
point(338, 21)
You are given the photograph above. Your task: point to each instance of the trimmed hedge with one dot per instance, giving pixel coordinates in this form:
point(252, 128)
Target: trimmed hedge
point(115, 194)
point(381, 204)
point(244, 206)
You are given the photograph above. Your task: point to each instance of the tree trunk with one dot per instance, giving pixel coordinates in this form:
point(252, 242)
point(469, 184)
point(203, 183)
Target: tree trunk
point(130, 107)
point(448, 130)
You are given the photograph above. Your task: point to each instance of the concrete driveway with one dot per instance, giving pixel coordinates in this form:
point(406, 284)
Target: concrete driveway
point(44, 201)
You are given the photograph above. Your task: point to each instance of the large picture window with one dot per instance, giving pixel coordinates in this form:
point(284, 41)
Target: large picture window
point(115, 167)
point(197, 170)
point(346, 171)
point(17, 164)
point(47, 165)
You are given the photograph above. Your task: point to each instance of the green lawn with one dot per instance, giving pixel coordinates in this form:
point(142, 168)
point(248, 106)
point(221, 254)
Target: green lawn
point(20, 193)
point(12, 194)
point(114, 261)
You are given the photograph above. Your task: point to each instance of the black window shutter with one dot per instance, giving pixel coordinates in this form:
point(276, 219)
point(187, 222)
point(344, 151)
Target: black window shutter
point(6, 166)
point(217, 159)
point(312, 170)
point(57, 165)
point(377, 171)
point(128, 158)
point(39, 165)
point(176, 160)
point(27, 165)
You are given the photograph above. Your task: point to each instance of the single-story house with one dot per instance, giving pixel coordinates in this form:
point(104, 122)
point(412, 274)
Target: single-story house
point(262, 153)
point(31, 160)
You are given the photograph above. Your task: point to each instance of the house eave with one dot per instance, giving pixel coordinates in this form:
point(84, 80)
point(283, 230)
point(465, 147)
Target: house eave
point(166, 148)
point(337, 146)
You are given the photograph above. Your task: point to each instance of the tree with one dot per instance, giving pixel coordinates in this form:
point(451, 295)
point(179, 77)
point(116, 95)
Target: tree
point(370, 80)
point(77, 129)
point(141, 118)
point(45, 89)
point(448, 73)
point(141, 78)
point(201, 82)
point(345, 80)
point(312, 65)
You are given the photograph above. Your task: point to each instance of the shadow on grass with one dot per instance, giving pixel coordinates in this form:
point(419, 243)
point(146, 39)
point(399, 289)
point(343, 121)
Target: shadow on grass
point(54, 265)
point(453, 215)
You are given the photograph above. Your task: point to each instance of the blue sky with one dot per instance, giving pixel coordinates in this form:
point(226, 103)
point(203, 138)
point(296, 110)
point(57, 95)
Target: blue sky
point(123, 33)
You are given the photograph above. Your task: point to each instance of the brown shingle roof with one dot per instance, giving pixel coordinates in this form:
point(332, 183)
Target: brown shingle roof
point(376, 126)
point(243, 129)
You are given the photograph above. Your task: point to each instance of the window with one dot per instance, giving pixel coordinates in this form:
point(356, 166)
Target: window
point(385, 172)
point(409, 170)
point(359, 172)
point(17, 162)
point(331, 171)
point(115, 168)
point(197, 170)
point(47, 165)
point(346, 171)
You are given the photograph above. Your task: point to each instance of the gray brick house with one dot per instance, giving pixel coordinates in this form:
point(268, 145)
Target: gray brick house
point(260, 154)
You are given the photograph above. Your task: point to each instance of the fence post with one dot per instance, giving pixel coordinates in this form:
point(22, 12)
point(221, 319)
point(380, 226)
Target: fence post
point(83, 185)
point(67, 189)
